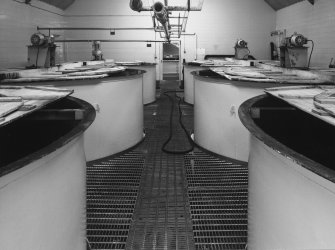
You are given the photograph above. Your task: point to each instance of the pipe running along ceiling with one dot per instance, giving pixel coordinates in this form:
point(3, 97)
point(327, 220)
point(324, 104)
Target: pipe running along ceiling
point(169, 18)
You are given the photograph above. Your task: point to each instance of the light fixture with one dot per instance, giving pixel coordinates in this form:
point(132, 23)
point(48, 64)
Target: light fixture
point(112, 32)
point(148, 44)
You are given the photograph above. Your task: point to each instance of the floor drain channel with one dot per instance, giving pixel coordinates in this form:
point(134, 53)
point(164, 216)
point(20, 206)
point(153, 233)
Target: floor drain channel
point(112, 190)
point(218, 195)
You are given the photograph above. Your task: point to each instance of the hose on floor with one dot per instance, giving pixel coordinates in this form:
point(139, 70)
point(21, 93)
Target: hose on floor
point(181, 124)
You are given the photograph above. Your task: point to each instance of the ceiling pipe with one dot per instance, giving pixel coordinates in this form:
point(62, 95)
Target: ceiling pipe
point(86, 28)
point(161, 13)
point(162, 16)
point(168, 14)
point(137, 5)
point(109, 40)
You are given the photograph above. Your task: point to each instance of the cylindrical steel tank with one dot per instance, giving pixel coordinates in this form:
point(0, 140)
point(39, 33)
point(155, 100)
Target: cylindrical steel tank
point(217, 127)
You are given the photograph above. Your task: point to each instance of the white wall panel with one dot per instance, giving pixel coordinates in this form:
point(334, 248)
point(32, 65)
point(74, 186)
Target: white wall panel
point(109, 14)
point(17, 23)
point(222, 22)
point(218, 26)
point(317, 22)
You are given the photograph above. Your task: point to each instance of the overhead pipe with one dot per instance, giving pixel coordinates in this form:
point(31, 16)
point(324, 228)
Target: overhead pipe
point(87, 28)
point(137, 5)
point(179, 31)
point(109, 40)
point(168, 17)
point(162, 16)
point(157, 28)
point(161, 13)
point(184, 21)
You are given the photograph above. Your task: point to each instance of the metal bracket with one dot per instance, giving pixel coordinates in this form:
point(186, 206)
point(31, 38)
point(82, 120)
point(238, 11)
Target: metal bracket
point(57, 114)
point(255, 112)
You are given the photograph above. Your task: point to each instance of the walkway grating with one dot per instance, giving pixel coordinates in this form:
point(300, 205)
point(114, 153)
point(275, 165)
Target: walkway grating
point(218, 195)
point(112, 190)
point(147, 199)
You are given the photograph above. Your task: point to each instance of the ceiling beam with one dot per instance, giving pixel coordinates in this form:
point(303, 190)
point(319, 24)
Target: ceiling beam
point(61, 4)
point(280, 4)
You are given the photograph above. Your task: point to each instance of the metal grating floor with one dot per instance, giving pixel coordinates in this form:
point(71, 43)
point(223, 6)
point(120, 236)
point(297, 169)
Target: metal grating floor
point(218, 195)
point(162, 214)
point(147, 199)
point(112, 190)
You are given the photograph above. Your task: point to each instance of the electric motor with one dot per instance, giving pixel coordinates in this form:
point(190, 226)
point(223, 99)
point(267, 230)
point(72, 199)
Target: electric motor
point(297, 40)
point(37, 39)
point(241, 44)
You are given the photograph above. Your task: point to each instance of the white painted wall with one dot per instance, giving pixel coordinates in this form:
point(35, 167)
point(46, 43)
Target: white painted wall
point(218, 26)
point(317, 22)
point(107, 14)
point(222, 22)
point(17, 23)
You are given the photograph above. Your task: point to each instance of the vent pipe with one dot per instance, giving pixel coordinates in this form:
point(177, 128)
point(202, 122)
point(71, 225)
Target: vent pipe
point(161, 15)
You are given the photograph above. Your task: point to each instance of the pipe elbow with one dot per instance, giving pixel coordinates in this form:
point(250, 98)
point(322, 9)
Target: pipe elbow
point(136, 5)
point(160, 12)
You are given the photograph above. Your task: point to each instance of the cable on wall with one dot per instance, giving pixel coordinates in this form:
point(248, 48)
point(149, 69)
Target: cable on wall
point(310, 55)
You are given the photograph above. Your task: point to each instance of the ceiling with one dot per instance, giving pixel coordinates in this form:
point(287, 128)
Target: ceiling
point(275, 4)
point(279, 4)
point(61, 4)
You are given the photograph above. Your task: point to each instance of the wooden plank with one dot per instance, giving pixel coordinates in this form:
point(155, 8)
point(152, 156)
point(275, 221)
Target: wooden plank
point(300, 93)
point(320, 112)
point(10, 99)
point(307, 105)
point(98, 71)
point(328, 108)
point(9, 107)
point(48, 88)
point(62, 78)
point(33, 94)
point(32, 99)
point(252, 74)
point(327, 97)
point(301, 81)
